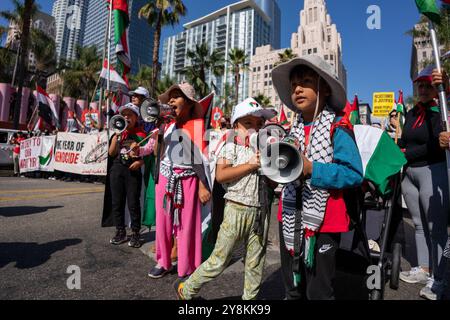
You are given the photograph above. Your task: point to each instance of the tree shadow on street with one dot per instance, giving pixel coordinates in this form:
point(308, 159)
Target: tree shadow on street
point(31, 254)
point(10, 212)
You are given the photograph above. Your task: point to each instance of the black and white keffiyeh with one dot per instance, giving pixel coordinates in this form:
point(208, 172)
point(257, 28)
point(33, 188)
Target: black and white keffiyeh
point(314, 200)
point(174, 190)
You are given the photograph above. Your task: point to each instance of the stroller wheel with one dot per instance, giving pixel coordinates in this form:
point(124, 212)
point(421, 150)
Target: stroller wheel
point(395, 269)
point(376, 295)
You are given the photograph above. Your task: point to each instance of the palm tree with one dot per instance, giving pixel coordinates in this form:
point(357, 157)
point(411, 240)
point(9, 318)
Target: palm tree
point(262, 100)
point(202, 62)
point(286, 56)
point(7, 58)
point(143, 78)
point(164, 84)
point(160, 13)
point(227, 99)
point(238, 61)
point(22, 17)
point(44, 50)
point(80, 78)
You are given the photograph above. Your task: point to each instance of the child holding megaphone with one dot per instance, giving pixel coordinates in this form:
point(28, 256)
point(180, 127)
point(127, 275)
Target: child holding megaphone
point(313, 212)
point(236, 170)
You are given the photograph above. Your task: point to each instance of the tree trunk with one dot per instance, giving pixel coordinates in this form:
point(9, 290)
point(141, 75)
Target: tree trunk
point(156, 43)
point(23, 59)
point(237, 81)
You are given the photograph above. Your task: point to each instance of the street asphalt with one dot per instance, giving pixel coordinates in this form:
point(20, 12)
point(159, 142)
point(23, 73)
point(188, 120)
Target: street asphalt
point(48, 226)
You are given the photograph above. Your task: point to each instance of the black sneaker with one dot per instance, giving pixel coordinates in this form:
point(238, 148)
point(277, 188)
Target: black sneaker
point(135, 240)
point(158, 272)
point(120, 237)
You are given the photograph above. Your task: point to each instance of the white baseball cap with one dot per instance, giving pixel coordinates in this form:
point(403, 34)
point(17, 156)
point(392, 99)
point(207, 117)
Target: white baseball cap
point(131, 107)
point(140, 91)
point(251, 107)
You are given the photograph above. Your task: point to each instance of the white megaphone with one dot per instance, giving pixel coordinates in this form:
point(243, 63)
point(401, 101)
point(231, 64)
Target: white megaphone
point(281, 161)
point(118, 123)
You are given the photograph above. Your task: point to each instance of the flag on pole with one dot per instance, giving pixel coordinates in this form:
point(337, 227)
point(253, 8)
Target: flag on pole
point(400, 107)
point(117, 83)
point(352, 112)
point(46, 109)
point(121, 24)
point(429, 9)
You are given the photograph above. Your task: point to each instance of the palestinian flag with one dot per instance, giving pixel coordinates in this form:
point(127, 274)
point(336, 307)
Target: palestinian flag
point(381, 157)
point(117, 83)
point(46, 108)
point(352, 112)
point(121, 24)
point(429, 9)
point(207, 104)
point(283, 119)
point(400, 107)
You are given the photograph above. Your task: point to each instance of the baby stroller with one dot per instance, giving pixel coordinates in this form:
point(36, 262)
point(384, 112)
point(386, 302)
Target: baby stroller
point(384, 264)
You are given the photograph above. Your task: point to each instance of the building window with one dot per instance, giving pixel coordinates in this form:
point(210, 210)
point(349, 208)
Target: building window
point(309, 51)
point(310, 16)
point(259, 68)
point(271, 67)
point(331, 57)
point(315, 50)
point(315, 14)
point(304, 52)
point(326, 57)
point(254, 69)
point(266, 75)
point(266, 67)
point(424, 54)
point(329, 38)
point(265, 83)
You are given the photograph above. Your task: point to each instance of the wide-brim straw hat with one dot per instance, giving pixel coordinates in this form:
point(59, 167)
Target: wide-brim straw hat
point(281, 81)
point(189, 91)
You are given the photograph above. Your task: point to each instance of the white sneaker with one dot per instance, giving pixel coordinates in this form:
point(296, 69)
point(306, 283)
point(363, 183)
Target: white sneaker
point(433, 290)
point(415, 275)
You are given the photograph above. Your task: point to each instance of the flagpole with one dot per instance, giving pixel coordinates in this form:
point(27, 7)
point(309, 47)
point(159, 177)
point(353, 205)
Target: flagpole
point(397, 127)
point(442, 96)
point(108, 82)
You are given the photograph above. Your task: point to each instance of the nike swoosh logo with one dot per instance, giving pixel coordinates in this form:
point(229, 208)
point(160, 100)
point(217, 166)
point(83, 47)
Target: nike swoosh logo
point(325, 248)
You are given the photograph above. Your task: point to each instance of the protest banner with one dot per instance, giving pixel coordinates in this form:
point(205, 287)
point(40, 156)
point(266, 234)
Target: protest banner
point(36, 154)
point(85, 154)
point(382, 103)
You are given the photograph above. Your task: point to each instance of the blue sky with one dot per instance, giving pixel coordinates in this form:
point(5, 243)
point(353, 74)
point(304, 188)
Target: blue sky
point(376, 60)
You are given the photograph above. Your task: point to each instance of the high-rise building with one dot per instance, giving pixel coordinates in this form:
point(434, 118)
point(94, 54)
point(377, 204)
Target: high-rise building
point(244, 25)
point(70, 19)
point(316, 35)
point(140, 34)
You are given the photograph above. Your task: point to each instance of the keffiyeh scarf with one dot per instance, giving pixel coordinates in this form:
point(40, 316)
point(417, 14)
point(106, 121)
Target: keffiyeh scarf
point(311, 208)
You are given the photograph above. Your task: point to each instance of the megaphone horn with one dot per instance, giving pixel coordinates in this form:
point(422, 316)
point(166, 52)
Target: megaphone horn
point(118, 123)
point(281, 161)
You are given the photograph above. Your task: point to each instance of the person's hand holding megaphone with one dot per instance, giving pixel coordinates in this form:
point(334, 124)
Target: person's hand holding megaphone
point(307, 167)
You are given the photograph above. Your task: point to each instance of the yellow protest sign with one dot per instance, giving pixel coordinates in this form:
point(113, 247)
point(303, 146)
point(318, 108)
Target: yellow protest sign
point(383, 103)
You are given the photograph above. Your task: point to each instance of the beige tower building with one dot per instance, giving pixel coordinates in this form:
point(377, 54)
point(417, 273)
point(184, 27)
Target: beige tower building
point(316, 35)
